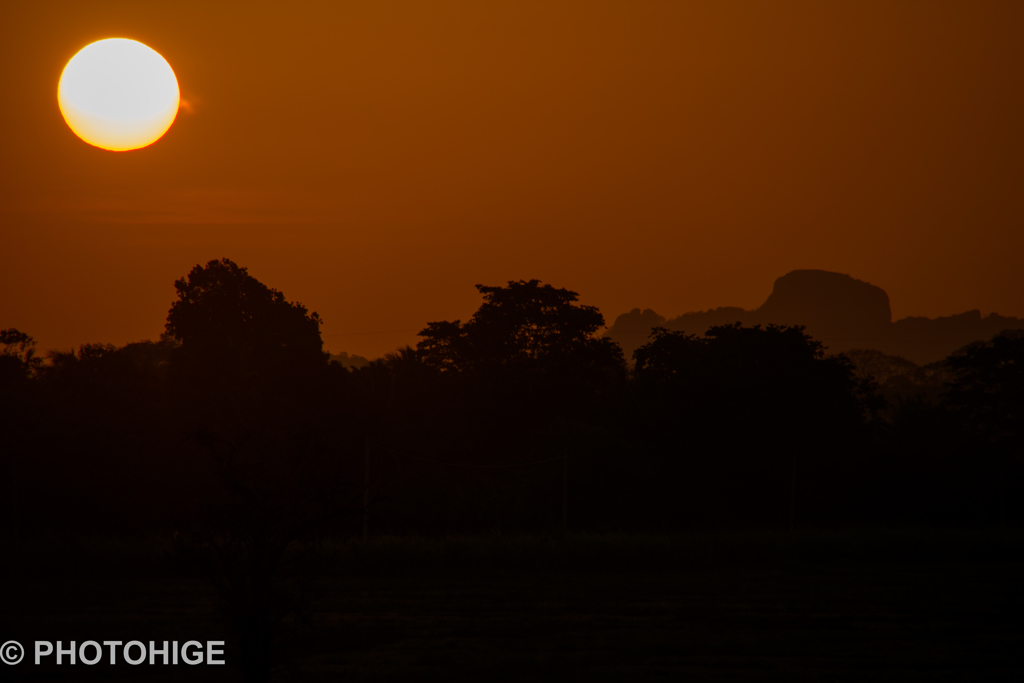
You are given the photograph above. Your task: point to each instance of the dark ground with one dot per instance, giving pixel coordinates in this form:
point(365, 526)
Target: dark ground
point(907, 608)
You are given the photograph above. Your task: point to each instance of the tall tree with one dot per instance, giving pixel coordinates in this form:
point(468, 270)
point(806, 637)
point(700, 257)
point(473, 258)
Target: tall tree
point(772, 375)
point(251, 386)
point(987, 395)
point(17, 356)
point(746, 412)
point(242, 346)
point(18, 366)
point(523, 375)
point(223, 309)
point(524, 324)
point(988, 388)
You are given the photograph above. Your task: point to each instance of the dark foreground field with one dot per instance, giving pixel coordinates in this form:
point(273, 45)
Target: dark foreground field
point(900, 606)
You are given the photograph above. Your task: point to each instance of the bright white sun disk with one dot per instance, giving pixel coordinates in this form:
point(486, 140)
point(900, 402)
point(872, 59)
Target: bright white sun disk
point(118, 94)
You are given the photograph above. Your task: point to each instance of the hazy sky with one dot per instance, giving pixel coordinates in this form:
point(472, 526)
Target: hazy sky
point(375, 160)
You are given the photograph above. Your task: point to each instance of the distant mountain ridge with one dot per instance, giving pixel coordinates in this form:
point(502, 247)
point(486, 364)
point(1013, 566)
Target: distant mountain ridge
point(842, 312)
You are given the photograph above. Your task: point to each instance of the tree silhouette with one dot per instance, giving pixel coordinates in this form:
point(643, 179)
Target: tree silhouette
point(18, 366)
point(252, 394)
point(988, 388)
point(18, 356)
point(223, 311)
point(528, 355)
point(757, 403)
point(987, 395)
point(519, 327)
point(245, 352)
point(764, 373)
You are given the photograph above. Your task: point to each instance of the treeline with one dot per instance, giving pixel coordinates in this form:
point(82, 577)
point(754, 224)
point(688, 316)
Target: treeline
point(520, 419)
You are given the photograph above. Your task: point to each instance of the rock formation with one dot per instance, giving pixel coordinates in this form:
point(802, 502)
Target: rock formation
point(842, 312)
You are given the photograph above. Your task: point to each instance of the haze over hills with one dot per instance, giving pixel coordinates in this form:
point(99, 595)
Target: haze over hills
point(842, 312)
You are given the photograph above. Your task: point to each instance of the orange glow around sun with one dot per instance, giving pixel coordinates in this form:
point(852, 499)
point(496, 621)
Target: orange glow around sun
point(118, 94)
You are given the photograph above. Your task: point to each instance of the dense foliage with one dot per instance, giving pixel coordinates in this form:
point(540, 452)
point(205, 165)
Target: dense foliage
point(492, 424)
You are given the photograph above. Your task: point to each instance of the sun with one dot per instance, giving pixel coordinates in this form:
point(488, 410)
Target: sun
point(118, 94)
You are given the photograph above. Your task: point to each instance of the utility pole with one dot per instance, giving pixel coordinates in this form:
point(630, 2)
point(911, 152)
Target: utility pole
point(565, 494)
point(366, 492)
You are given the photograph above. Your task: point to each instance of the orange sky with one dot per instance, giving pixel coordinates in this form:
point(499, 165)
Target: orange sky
point(375, 160)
